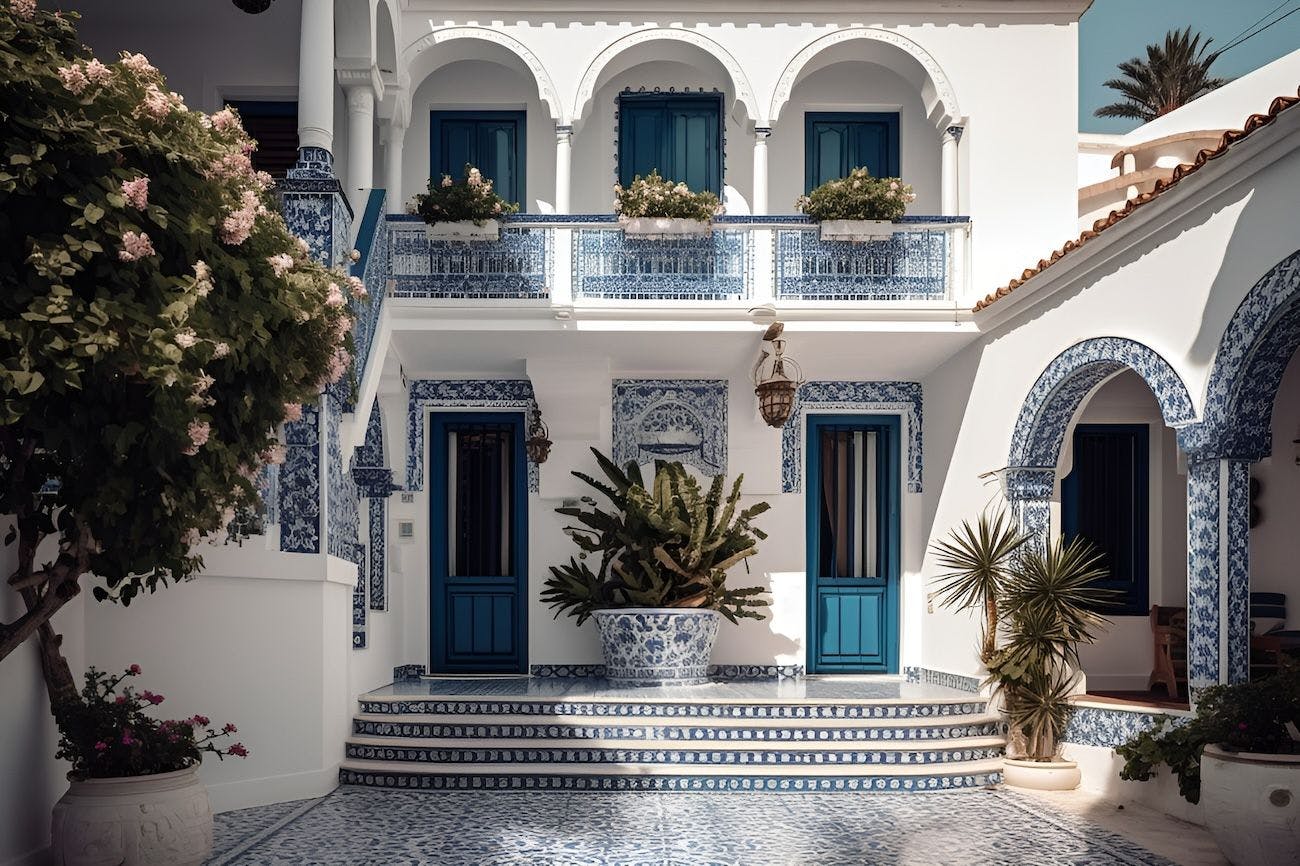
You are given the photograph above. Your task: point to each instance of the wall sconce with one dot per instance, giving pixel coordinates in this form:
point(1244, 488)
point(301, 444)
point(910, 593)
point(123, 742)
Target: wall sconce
point(776, 379)
point(538, 444)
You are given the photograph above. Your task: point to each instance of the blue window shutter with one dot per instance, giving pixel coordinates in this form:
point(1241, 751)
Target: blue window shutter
point(835, 143)
point(680, 136)
point(492, 141)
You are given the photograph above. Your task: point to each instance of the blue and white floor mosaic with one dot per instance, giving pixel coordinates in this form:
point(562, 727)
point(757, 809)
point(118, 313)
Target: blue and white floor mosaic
point(363, 826)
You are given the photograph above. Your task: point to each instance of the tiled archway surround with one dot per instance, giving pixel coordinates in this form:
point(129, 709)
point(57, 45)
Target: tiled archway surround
point(468, 394)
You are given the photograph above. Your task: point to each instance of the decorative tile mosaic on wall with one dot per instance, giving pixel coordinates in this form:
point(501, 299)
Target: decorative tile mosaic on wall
point(300, 484)
point(671, 419)
point(1109, 727)
point(518, 265)
point(910, 266)
point(714, 267)
point(899, 398)
point(467, 394)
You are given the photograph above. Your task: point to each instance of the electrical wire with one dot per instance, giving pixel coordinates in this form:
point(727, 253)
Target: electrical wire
point(1255, 33)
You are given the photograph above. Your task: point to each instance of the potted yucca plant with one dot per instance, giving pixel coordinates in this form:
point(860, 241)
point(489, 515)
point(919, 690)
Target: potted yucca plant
point(465, 210)
point(654, 207)
point(660, 584)
point(1038, 603)
point(858, 207)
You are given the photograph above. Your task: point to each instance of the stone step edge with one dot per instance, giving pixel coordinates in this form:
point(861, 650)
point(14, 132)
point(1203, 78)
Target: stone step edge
point(504, 743)
point(414, 768)
point(946, 721)
point(612, 699)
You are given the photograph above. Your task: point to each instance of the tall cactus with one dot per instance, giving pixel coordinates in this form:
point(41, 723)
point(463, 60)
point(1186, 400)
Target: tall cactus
point(666, 545)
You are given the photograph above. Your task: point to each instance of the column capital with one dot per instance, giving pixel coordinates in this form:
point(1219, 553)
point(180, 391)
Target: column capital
point(563, 130)
point(955, 132)
point(761, 133)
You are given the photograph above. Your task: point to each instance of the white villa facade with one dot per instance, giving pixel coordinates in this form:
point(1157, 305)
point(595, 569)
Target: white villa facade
point(1169, 332)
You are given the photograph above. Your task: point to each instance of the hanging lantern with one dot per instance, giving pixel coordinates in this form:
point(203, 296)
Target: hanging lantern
point(253, 7)
point(776, 379)
point(538, 444)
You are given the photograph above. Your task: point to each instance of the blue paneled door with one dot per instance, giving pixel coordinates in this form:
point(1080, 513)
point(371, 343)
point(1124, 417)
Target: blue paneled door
point(836, 142)
point(478, 543)
point(680, 135)
point(492, 141)
point(852, 500)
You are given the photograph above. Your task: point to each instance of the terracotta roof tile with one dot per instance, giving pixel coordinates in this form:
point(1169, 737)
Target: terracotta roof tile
point(1229, 138)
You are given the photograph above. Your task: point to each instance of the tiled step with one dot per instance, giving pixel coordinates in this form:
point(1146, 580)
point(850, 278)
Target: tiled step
point(649, 777)
point(671, 754)
point(588, 728)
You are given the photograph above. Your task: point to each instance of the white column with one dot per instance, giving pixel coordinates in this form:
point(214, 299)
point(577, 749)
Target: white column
point(361, 145)
point(316, 75)
point(950, 199)
point(759, 206)
point(563, 166)
point(393, 167)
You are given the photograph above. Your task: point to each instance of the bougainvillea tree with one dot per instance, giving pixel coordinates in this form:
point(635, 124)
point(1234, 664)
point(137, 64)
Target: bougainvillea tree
point(158, 324)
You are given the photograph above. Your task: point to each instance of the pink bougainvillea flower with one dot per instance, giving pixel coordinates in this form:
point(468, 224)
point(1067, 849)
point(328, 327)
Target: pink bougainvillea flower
point(101, 746)
point(73, 78)
point(150, 697)
point(97, 72)
point(185, 338)
point(280, 263)
point(335, 297)
point(199, 721)
point(229, 728)
point(226, 120)
point(156, 103)
point(220, 350)
point(357, 287)
point(135, 246)
point(136, 192)
point(293, 411)
point(239, 750)
point(133, 670)
point(274, 454)
point(23, 9)
point(138, 63)
point(199, 432)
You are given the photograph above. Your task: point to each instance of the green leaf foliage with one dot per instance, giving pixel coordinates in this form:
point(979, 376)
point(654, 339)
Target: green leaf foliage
point(470, 199)
point(858, 197)
point(1172, 75)
point(652, 196)
point(666, 545)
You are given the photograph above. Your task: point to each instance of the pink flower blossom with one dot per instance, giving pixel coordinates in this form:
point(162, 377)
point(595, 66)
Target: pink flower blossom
point(138, 63)
point(236, 228)
point(185, 338)
point(133, 670)
point(190, 537)
point(446, 181)
point(136, 192)
point(229, 728)
point(220, 350)
point(127, 739)
point(135, 246)
point(232, 166)
point(101, 746)
point(23, 9)
point(274, 454)
point(357, 287)
point(335, 297)
point(293, 411)
point(264, 180)
point(202, 271)
point(73, 78)
point(121, 699)
point(199, 721)
point(302, 246)
point(98, 72)
point(203, 382)
point(155, 104)
point(239, 750)
point(199, 432)
point(280, 263)
point(339, 362)
point(226, 120)
point(151, 698)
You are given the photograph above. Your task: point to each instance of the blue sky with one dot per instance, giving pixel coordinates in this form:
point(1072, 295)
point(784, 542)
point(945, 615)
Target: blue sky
point(1116, 30)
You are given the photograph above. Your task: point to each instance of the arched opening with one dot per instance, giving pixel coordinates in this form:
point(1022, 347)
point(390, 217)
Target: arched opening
point(354, 34)
point(385, 39)
point(645, 92)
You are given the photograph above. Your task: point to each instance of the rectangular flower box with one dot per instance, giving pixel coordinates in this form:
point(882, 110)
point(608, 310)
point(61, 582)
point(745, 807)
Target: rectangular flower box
point(858, 231)
point(464, 230)
point(661, 227)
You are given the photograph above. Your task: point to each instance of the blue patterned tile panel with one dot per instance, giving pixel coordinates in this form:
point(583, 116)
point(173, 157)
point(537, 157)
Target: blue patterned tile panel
point(910, 266)
point(300, 484)
point(407, 672)
point(519, 265)
point(900, 709)
point(343, 523)
point(1203, 585)
point(953, 681)
point(467, 394)
point(1237, 520)
point(378, 554)
point(371, 451)
point(933, 729)
point(609, 264)
point(374, 270)
point(671, 419)
point(733, 672)
point(1111, 727)
point(901, 398)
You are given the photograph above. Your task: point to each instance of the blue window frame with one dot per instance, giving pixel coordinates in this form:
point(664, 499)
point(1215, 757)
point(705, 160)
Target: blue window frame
point(678, 134)
point(836, 142)
point(1105, 499)
point(273, 124)
point(495, 142)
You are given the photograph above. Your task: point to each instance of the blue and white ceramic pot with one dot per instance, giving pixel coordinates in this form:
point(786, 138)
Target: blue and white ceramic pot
point(652, 646)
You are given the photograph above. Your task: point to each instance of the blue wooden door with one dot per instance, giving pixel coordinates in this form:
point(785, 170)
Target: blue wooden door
point(852, 499)
point(837, 142)
point(680, 136)
point(478, 543)
point(492, 141)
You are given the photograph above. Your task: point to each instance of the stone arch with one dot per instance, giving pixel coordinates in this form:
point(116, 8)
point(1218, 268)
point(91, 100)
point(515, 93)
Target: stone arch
point(944, 93)
point(739, 81)
point(354, 30)
point(1257, 345)
point(1070, 378)
point(545, 86)
point(385, 36)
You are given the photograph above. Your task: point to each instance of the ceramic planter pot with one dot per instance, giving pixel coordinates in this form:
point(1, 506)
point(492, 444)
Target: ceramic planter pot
point(1252, 806)
point(858, 231)
point(134, 821)
point(1041, 775)
point(647, 646)
point(660, 227)
point(464, 230)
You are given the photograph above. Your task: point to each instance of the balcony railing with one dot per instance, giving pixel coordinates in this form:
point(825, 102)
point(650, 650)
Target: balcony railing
point(588, 260)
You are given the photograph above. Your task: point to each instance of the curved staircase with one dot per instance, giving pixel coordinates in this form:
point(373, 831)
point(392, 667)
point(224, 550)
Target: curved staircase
point(834, 734)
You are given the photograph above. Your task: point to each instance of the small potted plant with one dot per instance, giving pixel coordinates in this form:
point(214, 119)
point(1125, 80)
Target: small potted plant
point(1038, 604)
point(858, 207)
point(466, 210)
point(1240, 757)
point(654, 207)
point(135, 795)
point(661, 582)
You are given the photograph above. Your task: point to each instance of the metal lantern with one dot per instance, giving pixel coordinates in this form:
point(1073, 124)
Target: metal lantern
point(538, 444)
point(776, 379)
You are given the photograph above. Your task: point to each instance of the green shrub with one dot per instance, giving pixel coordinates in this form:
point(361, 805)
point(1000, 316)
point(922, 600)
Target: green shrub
point(857, 197)
point(652, 196)
point(470, 199)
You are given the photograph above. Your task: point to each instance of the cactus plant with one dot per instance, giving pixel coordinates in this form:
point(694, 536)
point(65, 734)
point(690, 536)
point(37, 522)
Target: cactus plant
point(666, 545)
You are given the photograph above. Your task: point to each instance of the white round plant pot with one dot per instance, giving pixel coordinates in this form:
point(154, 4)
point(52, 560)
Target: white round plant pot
point(464, 230)
point(136, 820)
point(652, 646)
point(1251, 804)
point(660, 227)
point(1041, 775)
point(858, 231)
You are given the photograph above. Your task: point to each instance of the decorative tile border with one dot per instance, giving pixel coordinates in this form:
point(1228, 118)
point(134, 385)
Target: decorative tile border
point(1110, 727)
point(952, 681)
point(469, 394)
point(738, 673)
point(578, 754)
point(909, 266)
point(472, 728)
point(300, 484)
point(1203, 513)
point(609, 264)
point(1237, 522)
point(343, 519)
point(671, 419)
point(518, 265)
point(359, 601)
point(402, 673)
point(757, 709)
point(903, 398)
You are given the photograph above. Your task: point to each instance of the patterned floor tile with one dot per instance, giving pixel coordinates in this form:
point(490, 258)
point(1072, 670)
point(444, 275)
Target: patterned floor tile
point(365, 826)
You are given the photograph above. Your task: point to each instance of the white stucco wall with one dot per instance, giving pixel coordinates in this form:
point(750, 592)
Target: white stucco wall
point(1273, 547)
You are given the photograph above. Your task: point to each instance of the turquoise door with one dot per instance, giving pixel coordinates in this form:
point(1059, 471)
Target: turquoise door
point(836, 142)
point(491, 141)
point(852, 498)
point(478, 543)
point(680, 136)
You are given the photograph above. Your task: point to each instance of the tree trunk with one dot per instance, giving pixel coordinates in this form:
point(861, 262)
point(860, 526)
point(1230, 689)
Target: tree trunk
point(990, 629)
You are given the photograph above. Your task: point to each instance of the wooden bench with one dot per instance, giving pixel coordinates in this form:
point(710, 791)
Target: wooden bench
point(1169, 634)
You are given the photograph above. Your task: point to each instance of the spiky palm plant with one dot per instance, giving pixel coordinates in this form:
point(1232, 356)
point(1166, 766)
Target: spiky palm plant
point(1172, 75)
point(666, 545)
point(976, 561)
